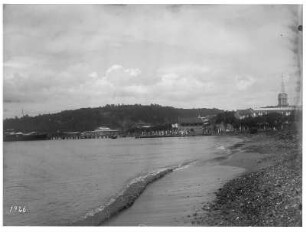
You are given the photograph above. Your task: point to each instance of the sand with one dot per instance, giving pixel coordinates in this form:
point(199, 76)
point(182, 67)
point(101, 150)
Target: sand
point(174, 199)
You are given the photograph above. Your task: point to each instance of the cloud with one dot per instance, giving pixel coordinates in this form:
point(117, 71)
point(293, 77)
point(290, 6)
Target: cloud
point(60, 56)
point(133, 91)
point(244, 82)
point(177, 88)
point(133, 72)
point(119, 75)
point(15, 65)
point(93, 75)
point(115, 67)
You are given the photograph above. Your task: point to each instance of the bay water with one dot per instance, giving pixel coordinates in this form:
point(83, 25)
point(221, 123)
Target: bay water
point(58, 182)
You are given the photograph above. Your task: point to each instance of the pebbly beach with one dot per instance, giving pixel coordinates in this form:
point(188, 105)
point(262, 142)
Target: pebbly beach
point(269, 193)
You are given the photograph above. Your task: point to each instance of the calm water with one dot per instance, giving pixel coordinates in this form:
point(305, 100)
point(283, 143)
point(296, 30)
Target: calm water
point(59, 181)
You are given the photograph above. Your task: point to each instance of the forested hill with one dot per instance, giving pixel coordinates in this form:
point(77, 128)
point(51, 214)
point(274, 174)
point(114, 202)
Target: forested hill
point(122, 117)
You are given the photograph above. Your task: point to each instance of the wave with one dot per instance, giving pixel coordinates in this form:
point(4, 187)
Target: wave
point(126, 197)
point(221, 147)
point(237, 146)
point(232, 148)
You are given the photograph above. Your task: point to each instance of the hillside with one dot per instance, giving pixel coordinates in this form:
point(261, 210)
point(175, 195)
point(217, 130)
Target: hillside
point(122, 117)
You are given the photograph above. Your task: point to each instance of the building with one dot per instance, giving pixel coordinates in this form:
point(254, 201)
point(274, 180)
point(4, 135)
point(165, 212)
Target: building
point(283, 107)
point(143, 125)
point(283, 96)
point(100, 132)
point(281, 110)
point(191, 126)
point(247, 113)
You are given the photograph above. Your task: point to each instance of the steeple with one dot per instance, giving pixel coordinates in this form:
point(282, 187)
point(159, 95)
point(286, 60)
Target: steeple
point(283, 85)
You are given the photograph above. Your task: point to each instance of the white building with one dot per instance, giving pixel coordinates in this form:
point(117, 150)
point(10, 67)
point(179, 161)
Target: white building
point(283, 107)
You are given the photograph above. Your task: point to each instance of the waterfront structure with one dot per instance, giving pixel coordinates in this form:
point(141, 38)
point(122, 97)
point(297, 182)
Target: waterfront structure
point(193, 126)
point(19, 136)
point(175, 126)
point(100, 132)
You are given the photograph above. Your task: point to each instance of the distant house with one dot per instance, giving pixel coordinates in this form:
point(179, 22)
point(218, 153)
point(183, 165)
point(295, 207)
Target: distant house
point(247, 113)
point(100, 132)
point(287, 110)
point(208, 129)
point(261, 111)
point(220, 128)
point(229, 128)
point(208, 125)
point(191, 126)
point(174, 126)
point(143, 125)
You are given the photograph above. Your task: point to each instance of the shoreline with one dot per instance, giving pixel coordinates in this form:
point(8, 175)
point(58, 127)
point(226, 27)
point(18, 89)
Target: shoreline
point(268, 193)
point(172, 200)
point(123, 200)
point(260, 195)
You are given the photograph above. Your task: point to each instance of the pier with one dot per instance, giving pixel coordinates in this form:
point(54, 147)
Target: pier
point(79, 135)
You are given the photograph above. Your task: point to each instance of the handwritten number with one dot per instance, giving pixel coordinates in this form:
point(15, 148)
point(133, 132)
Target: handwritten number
point(18, 209)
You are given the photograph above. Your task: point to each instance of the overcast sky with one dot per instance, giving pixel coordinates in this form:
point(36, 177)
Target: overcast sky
point(59, 57)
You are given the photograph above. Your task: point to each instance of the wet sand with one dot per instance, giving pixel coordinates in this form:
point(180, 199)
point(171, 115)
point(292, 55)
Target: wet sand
point(174, 199)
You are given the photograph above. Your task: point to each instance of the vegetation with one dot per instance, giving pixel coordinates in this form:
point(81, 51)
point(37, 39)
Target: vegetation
point(124, 117)
point(271, 121)
point(130, 118)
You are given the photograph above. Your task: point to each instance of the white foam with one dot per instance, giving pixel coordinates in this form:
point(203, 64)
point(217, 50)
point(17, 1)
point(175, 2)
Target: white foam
point(136, 180)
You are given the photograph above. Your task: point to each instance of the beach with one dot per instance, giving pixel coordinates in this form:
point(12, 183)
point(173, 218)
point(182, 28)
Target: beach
point(269, 193)
point(258, 184)
point(177, 197)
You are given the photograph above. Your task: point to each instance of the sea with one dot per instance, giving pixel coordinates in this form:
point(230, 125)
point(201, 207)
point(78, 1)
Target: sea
point(87, 181)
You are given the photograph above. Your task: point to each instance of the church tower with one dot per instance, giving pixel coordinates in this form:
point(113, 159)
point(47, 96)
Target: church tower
point(282, 96)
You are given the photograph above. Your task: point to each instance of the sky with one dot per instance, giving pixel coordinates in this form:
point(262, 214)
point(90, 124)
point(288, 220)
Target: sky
point(60, 57)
